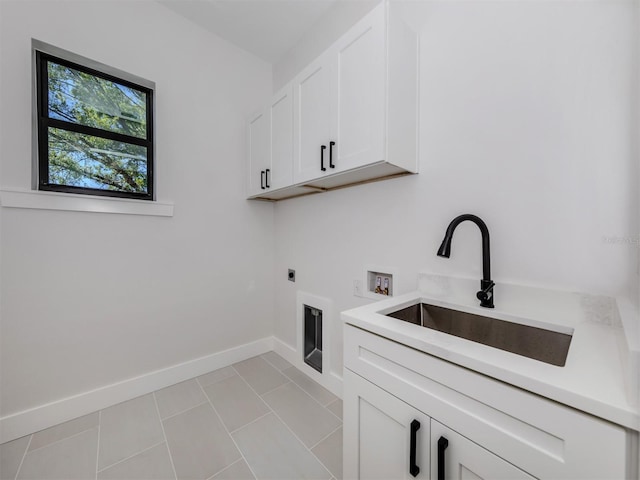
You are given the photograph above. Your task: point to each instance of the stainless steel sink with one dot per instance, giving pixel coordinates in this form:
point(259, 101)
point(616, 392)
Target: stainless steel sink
point(532, 342)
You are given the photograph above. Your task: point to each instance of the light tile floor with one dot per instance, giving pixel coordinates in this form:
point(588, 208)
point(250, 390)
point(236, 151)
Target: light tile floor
point(258, 419)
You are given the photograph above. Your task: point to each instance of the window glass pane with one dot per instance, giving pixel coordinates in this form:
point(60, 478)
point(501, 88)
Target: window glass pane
point(82, 98)
point(81, 160)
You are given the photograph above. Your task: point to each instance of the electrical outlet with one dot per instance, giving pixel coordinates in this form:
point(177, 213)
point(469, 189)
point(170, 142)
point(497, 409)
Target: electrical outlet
point(357, 288)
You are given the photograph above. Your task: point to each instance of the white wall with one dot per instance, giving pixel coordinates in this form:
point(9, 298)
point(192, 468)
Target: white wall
point(91, 299)
point(527, 120)
point(636, 154)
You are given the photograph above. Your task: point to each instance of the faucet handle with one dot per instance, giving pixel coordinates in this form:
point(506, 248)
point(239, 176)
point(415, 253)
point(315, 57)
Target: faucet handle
point(486, 294)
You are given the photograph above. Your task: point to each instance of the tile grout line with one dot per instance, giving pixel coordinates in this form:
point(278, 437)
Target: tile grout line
point(286, 425)
point(24, 455)
point(98, 446)
point(231, 432)
point(242, 457)
point(272, 364)
point(325, 437)
point(130, 457)
point(217, 381)
point(227, 467)
point(144, 449)
point(260, 396)
point(305, 391)
point(278, 371)
point(308, 394)
point(181, 412)
point(281, 386)
point(292, 380)
point(164, 434)
point(339, 418)
point(299, 439)
point(65, 438)
point(318, 458)
point(273, 389)
point(327, 407)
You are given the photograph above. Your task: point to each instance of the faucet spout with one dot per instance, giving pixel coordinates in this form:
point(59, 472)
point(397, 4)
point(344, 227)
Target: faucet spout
point(485, 295)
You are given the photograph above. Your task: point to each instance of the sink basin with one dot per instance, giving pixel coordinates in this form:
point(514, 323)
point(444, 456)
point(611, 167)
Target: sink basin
point(532, 342)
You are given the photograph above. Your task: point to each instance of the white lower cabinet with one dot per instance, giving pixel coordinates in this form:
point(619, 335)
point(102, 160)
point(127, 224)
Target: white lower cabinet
point(455, 457)
point(492, 430)
point(387, 439)
point(379, 431)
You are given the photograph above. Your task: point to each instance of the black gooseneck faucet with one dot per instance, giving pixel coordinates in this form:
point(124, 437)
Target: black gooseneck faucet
point(485, 295)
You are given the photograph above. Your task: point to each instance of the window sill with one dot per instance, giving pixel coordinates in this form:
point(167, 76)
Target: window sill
point(82, 203)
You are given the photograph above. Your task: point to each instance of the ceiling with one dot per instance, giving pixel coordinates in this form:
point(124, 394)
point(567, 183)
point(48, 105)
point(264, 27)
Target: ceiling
point(266, 28)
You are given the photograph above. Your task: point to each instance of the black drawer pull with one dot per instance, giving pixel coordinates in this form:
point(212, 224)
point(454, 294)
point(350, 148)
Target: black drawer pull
point(443, 443)
point(322, 149)
point(414, 469)
point(266, 177)
point(331, 144)
point(262, 180)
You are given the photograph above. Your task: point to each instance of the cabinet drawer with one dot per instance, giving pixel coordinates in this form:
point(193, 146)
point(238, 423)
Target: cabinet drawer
point(542, 437)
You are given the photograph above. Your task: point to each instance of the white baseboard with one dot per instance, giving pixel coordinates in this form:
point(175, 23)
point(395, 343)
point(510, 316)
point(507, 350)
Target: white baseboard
point(45, 416)
point(330, 380)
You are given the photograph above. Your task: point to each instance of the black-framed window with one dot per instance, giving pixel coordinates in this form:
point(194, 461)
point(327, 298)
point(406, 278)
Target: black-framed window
point(94, 129)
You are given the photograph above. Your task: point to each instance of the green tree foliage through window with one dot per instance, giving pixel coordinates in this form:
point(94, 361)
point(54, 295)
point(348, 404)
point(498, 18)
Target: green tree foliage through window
point(98, 137)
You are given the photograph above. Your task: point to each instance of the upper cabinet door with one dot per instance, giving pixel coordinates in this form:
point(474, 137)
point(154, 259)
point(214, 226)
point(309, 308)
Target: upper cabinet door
point(360, 93)
point(281, 111)
point(259, 152)
point(313, 120)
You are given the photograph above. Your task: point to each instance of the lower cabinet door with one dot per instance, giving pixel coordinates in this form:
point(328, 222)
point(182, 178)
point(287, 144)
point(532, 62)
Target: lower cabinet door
point(456, 457)
point(384, 438)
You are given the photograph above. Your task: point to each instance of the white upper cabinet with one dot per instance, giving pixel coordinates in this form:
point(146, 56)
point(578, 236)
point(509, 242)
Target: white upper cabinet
point(281, 118)
point(340, 99)
point(359, 94)
point(314, 119)
point(270, 147)
point(355, 110)
point(259, 151)
point(346, 126)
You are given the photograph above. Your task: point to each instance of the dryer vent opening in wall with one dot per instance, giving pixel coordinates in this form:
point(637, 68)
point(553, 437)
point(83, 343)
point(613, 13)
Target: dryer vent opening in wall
point(313, 337)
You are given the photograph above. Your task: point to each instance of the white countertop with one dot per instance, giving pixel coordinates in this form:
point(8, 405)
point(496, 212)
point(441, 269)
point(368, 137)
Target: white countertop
point(600, 376)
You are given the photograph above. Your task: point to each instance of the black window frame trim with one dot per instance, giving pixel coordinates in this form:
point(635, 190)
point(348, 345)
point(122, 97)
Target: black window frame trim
point(42, 53)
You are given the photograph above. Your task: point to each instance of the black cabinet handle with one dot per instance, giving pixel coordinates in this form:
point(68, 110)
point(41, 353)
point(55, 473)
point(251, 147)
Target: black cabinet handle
point(443, 443)
point(331, 144)
point(262, 180)
point(414, 469)
point(266, 178)
point(322, 149)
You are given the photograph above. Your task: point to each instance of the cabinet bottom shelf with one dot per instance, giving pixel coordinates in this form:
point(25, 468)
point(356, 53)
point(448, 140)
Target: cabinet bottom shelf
point(358, 176)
